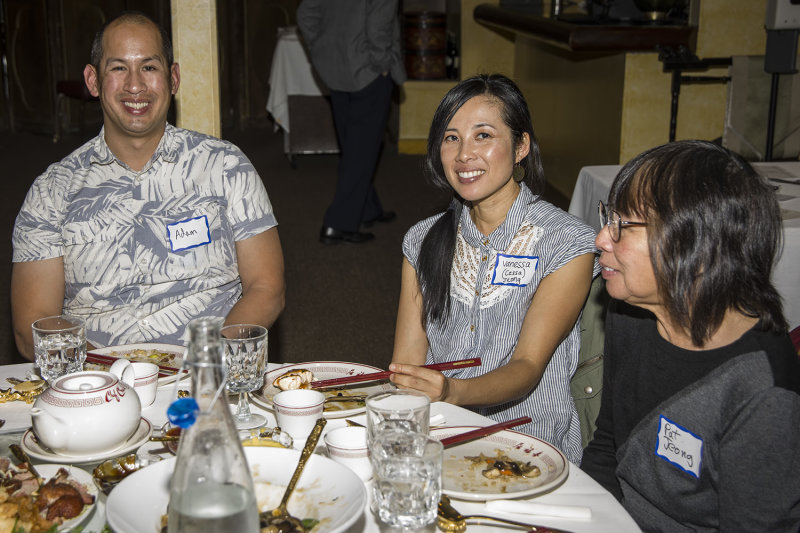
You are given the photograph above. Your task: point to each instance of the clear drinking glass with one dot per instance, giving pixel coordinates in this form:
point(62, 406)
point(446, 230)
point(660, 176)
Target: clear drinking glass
point(245, 353)
point(59, 344)
point(397, 409)
point(407, 470)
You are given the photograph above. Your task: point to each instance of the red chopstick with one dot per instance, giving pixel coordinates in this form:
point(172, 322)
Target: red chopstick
point(375, 376)
point(484, 431)
point(163, 371)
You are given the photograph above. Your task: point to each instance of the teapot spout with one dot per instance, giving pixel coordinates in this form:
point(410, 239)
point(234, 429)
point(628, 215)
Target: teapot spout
point(49, 428)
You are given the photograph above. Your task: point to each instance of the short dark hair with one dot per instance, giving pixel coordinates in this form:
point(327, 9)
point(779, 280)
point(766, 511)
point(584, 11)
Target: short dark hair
point(515, 114)
point(133, 17)
point(714, 230)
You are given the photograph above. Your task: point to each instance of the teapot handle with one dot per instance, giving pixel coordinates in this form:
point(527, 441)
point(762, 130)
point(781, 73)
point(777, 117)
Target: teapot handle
point(123, 369)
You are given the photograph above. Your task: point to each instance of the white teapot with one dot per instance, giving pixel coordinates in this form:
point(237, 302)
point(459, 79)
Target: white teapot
point(87, 413)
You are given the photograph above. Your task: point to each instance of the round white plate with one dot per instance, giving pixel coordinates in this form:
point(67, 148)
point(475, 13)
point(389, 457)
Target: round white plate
point(327, 491)
point(466, 482)
point(35, 449)
point(175, 362)
point(327, 370)
point(81, 476)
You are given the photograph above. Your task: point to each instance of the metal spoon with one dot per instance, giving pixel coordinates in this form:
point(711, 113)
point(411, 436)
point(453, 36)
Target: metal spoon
point(450, 520)
point(279, 517)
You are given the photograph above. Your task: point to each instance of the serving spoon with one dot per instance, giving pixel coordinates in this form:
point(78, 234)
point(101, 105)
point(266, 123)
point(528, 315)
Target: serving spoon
point(448, 519)
point(279, 518)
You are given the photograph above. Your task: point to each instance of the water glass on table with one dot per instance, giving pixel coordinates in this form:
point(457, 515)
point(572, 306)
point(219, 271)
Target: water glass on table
point(59, 344)
point(245, 353)
point(407, 471)
point(397, 409)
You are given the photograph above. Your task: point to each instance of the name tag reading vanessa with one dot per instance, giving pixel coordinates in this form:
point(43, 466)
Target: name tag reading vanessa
point(516, 270)
point(189, 233)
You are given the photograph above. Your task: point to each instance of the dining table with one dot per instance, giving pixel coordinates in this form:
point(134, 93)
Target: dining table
point(594, 183)
point(577, 489)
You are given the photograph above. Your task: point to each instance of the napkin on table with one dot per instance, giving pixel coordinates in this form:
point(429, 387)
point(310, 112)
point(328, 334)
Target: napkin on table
point(575, 512)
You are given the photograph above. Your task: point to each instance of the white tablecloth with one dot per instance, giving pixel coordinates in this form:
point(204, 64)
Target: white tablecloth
point(291, 73)
point(578, 489)
point(594, 182)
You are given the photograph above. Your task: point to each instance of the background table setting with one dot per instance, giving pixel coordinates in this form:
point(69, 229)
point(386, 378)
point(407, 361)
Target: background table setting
point(136, 503)
point(594, 183)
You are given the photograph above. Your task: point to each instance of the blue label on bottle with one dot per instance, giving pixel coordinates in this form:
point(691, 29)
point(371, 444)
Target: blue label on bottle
point(183, 412)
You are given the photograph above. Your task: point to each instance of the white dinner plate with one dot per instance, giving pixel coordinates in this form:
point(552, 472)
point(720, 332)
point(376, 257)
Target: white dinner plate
point(81, 476)
point(463, 480)
point(150, 347)
point(327, 370)
point(35, 449)
point(326, 491)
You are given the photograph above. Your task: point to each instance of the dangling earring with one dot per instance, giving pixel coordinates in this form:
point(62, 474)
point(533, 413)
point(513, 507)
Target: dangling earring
point(518, 173)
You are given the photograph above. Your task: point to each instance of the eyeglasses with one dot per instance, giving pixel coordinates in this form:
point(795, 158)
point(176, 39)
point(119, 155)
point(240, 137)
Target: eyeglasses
point(610, 218)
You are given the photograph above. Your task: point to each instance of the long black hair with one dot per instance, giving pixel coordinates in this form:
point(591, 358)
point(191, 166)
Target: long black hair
point(438, 247)
point(713, 228)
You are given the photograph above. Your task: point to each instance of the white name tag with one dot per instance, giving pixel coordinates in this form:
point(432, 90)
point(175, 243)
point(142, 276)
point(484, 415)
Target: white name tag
point(188, 233)
point(679, 446)
point(515, 270)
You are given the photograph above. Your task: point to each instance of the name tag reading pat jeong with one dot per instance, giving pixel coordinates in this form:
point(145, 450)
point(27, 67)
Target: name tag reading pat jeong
point(679, 446)
point(188, 233)
point(515, 270)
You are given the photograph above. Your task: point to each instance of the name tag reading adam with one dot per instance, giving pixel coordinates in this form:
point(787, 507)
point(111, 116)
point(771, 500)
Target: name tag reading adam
point(514, 270)
point(189, 233)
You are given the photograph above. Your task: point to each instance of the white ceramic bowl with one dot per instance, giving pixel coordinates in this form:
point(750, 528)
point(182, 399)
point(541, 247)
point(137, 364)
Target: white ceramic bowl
point(348, 446)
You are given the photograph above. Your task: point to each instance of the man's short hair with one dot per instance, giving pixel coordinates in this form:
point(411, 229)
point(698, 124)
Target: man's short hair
point(132, 17)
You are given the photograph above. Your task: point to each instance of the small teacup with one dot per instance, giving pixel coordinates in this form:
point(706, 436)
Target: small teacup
point(348, 446)
point(297, 411)
point(145, 378)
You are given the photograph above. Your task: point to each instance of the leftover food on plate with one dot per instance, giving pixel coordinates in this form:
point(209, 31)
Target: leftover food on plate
point(22, 390)
point(268, 496)
point(27, 505)
point(503, 466)
point(156, 356)
point(300, 378)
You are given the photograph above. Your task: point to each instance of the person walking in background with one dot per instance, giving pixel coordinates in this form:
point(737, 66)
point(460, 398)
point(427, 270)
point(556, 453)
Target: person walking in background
point(699, 426)
point(146, 226)
point(355, 48)
point(501, 275)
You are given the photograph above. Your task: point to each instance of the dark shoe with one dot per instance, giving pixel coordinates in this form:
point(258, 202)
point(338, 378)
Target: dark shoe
point(330, 235)
point(386, 216)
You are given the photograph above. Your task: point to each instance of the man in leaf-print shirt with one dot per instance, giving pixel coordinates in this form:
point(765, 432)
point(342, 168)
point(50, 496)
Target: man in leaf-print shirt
point(146, 226)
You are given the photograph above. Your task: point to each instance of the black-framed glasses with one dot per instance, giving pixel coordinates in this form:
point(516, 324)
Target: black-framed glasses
point(610, 218)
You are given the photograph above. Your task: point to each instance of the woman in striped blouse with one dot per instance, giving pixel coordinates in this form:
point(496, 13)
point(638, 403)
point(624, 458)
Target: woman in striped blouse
point(501, 275)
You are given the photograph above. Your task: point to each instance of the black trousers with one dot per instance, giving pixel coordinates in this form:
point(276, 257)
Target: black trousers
point(360, 120)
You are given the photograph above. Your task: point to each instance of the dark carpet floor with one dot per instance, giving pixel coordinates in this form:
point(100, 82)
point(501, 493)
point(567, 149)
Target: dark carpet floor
point(341, 300)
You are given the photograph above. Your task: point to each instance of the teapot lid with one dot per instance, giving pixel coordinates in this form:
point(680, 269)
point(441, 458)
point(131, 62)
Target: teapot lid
point(83, 382)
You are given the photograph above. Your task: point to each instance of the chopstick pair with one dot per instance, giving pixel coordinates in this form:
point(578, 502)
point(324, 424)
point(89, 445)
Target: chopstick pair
point(375, 376)
point(163, 371)
point(484, 431)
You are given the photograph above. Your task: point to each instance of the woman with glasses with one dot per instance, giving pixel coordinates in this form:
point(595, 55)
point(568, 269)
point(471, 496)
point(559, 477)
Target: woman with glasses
point(699, 428)
point(501, 275)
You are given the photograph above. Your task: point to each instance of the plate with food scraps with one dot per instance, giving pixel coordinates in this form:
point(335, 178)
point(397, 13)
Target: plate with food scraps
point(161, 354)
point(78, 505)
point(334, 406)
point(507, 464)
point(328, 494)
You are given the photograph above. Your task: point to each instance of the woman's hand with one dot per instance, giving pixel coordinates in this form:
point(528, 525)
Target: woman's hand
point(431, 382)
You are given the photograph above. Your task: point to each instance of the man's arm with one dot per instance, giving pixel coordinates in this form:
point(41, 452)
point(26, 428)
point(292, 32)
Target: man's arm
point(260, 261)
point(37, 290)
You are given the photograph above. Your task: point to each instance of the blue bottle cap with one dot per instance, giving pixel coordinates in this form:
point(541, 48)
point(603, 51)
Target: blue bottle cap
point(183, 412)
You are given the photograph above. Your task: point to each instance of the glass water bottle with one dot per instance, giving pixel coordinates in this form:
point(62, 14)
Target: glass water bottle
point(212, 488)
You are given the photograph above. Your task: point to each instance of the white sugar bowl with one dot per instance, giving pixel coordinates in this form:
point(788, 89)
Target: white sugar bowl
point(87, 413)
